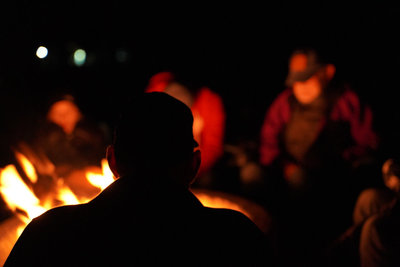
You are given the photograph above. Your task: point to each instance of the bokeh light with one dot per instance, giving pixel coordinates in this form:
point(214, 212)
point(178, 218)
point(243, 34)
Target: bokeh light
point(79, 57)
point(41, 52)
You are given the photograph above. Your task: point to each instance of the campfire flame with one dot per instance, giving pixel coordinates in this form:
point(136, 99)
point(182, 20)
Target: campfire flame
point(67, 197)
point(27, 166)
point(101, 180)
point(17, 194)
point(21, 199)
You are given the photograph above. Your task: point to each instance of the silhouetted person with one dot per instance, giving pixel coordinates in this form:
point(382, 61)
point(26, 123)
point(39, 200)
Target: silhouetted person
point(208, 112)
point(148, 216)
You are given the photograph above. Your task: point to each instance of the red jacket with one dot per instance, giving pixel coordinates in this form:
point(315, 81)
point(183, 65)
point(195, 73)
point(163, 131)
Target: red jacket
point(347, 108)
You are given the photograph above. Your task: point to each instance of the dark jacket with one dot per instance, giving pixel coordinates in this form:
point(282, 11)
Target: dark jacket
point(132, 223)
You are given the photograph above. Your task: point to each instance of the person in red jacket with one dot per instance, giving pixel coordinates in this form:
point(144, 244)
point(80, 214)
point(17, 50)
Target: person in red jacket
point(208, 112)
point(313, 116)
point(314, 134)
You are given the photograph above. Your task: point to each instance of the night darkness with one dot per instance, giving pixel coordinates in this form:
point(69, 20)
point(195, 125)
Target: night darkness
point(239, 52)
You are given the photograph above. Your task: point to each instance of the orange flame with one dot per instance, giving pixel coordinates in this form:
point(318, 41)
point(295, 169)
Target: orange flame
point(101, 180)
point(17, 194)
point(66, 196)
point(27, 166)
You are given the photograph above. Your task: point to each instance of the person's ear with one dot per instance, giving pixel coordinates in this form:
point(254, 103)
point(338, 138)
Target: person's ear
point(386, 166)
point(330, 71)
point(110, 154)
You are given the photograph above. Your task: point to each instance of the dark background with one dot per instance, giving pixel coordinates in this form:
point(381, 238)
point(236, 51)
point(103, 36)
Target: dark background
point(239, 51)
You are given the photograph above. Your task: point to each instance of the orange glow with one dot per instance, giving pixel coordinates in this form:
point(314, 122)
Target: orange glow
point(66, 196)
point(27, 166)
point(16, 193)
point(219, 202)
point(298, 63)
point(307, 91)
point(18, 196)
point(253, 211)
point(65, 114)
point(101, 180)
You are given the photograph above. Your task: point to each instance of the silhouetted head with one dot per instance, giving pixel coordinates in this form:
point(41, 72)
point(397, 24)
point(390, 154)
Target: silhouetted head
point(154, 137)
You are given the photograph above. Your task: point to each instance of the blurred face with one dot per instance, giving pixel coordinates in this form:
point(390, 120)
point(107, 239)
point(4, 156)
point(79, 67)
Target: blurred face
point(393, 183)
point(390, 180)
point(65, 114)
point(307, 91)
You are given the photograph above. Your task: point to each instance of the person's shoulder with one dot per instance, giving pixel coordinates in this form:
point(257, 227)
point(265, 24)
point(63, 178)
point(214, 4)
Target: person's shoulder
point(347, 103)
point(284, 95)
point(41, 234)
point(282, 98)
point(57, 217)
point(346, 94)
point(231, 219)
point(224, 212)
point(238, 239)
point(280, 108)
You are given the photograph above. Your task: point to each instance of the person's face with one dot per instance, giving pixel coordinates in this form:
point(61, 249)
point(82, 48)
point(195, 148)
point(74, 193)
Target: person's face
point(391, 181)
point(65, 114)
point(307, 91)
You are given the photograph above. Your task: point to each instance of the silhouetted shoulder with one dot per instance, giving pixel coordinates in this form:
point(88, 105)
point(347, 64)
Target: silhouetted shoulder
point(232, 218)
point(237, 240)
point(48, 238)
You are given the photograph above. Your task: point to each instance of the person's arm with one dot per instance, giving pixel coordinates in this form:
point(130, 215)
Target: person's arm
point(360, 117)
point(371, 248)
point(276, 117)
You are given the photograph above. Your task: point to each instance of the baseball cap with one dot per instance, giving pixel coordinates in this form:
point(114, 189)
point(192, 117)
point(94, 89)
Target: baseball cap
point(303, 64)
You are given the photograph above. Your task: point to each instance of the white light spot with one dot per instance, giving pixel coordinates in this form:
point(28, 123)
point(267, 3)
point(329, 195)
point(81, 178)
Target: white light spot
point(41, 52)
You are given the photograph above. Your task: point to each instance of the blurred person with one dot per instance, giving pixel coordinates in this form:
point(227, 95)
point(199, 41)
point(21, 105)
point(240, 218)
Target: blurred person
point(316, 126)
point(314, 118)
point(313, 135)
point(380, 238)
point(71, 141)
point(373, 239)
point(148, 216)
point(208, 112)
point(375, 200)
